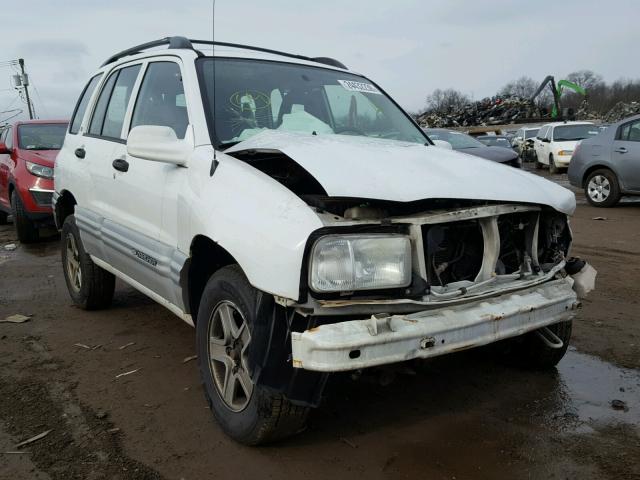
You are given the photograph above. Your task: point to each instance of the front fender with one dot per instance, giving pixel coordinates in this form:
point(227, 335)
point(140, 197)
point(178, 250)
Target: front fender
point(262, 224)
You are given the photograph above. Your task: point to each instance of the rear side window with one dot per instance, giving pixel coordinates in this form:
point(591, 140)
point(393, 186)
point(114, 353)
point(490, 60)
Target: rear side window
point(111, 108)
point(630, 132)
point(81, 106)
point(161, 99)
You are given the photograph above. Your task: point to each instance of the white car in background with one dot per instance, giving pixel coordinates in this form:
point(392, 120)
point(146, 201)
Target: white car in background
point(555, 143)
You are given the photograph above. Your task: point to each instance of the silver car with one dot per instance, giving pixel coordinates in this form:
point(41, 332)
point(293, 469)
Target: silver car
point(607, 166)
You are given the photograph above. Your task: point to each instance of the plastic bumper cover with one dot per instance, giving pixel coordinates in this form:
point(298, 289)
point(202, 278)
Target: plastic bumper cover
point(384, 339)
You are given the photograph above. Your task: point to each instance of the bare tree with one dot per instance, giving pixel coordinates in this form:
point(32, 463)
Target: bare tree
point(446, 100)
point(523, 87)
point(587, 79)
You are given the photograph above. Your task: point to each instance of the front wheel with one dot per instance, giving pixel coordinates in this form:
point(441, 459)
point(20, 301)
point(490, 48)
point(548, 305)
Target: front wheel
point(553, 169)
point(533, 352)
point(90, 287)
point(3, 218)
point(539, 165)
point(26, 230)
point(226, 338)
point(602, 188)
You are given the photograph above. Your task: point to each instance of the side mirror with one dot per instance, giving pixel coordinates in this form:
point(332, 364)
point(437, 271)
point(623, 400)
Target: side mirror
point(442, 144)
point(4, 149)
point(159, 144)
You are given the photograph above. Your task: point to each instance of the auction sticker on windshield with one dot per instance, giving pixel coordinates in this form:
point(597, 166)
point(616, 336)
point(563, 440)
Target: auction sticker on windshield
point(359, 87)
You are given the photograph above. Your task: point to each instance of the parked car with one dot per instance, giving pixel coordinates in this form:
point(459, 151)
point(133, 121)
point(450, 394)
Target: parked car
point(468, 144)
point(304, 224)
point(495, 141)
point(27, 153)
point(607, 166)
point(555, 142)
point(523, 141)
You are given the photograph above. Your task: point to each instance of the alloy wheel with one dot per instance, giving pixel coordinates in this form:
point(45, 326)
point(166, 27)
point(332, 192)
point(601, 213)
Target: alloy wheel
point(229, 338)
point(599, 188)
point(74, 272)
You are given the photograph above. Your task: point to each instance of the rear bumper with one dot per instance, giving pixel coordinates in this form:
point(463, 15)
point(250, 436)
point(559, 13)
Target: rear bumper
point(387, 339)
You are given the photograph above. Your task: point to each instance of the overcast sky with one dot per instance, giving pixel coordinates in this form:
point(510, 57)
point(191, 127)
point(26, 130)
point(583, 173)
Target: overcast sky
point(409, 47)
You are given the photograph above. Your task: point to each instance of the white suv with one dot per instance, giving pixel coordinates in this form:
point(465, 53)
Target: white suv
point(555, 143)
point(304, 224)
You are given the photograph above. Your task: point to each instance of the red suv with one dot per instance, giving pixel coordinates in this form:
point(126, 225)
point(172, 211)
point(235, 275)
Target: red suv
point(27, 154)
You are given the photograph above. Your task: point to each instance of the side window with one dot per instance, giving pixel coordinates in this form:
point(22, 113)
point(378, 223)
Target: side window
point(161, 99)
point(108, 117)
point(634, 132)
point(81, 106)
point(629, 132)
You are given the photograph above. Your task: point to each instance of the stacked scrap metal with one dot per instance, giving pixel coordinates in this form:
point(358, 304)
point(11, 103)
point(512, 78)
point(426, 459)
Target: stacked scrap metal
point(621, 110)
point(490, 111)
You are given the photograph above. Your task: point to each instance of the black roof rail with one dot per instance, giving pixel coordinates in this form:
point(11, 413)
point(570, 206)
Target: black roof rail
point(185, 43)
point(173, 42)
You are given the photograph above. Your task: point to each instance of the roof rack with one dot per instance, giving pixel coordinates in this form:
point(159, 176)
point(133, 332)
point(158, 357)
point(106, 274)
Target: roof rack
point(185, 43)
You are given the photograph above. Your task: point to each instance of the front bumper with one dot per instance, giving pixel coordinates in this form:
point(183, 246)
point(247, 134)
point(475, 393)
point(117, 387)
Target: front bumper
point(384, 339)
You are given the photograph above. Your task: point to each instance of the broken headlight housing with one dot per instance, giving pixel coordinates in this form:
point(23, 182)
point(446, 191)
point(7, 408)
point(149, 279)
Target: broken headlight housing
point(345, 263)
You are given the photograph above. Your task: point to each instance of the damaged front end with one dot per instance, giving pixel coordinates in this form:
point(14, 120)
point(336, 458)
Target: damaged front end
point(480, 274)
point(407, 272)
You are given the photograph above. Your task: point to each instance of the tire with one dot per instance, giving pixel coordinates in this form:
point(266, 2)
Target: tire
point(25, 228)
point(248, 413)
point(530, 352)
point(552, 165)
point(3, 218)
point(539, 165)
point(602, 189)
point(90, 287)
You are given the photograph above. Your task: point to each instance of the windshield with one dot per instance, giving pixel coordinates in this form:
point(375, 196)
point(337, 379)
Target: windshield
point(41, 136)
point(458, 141)
point(531, 133)
point(565, 133)
point(493, 141)
point(252, 96)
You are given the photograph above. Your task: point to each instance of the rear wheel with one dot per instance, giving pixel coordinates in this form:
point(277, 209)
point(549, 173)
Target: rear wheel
point(25, 228)
point(602, 188)
point(90, 286)
point(533, 352)
point(225, 340)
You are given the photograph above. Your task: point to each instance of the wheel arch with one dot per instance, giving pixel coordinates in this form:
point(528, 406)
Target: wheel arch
point(64, 206)
point(205, 258)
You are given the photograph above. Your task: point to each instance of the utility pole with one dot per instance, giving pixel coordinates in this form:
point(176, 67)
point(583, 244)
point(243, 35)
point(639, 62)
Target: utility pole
point(25, 84)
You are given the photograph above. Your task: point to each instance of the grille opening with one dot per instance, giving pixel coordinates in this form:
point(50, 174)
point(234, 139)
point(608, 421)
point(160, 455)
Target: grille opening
point(453, 251)
point(513, 229)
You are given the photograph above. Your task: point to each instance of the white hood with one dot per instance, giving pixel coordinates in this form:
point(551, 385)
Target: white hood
point(360, 167)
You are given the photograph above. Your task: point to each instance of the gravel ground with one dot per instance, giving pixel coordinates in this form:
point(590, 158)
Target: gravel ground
point(461, 416)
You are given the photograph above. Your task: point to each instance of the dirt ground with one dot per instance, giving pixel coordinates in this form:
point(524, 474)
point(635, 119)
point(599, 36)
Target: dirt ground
point(462, 416)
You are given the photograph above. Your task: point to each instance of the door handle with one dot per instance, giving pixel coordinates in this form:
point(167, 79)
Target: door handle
point(121, 165)
point(80, 152)
point(621, 150)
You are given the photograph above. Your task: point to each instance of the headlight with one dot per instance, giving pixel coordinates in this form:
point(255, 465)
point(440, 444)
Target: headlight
point(40, 170)
point(565, 152)
point(344, 263)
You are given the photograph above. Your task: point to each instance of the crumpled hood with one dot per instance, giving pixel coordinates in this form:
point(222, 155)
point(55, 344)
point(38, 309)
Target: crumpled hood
point(360, 167)
point(41, 157)
point(497, 154)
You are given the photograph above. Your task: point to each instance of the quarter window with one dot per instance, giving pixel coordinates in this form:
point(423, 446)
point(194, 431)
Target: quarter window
point(81, 107)
point(161, 100)
point(111, 108)
point(9, 139)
